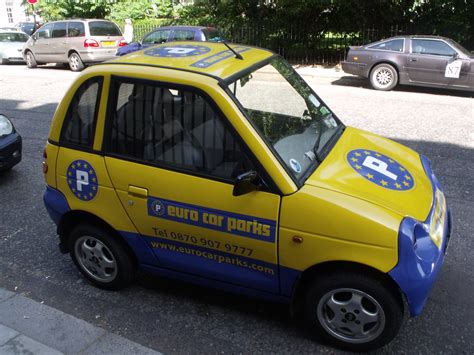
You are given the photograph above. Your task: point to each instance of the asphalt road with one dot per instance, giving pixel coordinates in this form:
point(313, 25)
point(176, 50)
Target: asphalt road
point(173, 317)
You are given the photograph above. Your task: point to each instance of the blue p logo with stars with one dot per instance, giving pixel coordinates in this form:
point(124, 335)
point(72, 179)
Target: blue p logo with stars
point(82, 180)
point(380, 169)
point(172, 51)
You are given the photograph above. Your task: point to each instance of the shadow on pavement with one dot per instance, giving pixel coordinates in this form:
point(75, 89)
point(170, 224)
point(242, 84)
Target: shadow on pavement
point(356, 81)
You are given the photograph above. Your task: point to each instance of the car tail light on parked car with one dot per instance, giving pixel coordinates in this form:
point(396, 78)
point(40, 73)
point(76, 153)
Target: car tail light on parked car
point(122, 43)
point(90, 43)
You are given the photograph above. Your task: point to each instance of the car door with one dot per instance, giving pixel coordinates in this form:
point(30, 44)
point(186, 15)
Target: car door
point(428, 60)
point(58, 42)
point(40, 43)
point(173, 159)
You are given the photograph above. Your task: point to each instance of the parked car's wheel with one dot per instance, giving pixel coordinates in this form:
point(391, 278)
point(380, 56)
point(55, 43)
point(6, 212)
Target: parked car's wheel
point(353, 311)
point(30, 60)
point(75, 62)
point(100, 257)
point(383, 77)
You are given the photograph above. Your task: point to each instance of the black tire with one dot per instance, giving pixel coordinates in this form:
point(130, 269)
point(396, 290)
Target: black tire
point(100, 257)
point(30, 60)
point(75, 62)
point(332, 313)
point(383, 77)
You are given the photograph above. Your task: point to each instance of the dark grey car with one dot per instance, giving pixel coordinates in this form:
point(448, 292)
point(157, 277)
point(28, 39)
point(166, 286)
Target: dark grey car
point(413, 60)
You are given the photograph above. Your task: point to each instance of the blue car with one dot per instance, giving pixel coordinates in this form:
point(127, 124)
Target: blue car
point(173, 33)
point(10, 144)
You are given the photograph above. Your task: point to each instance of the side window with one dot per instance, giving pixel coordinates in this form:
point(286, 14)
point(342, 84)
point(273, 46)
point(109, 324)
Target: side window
point(433, 47)
point(392, 45)
point(174, 128)
point(45, 31)
point(59, 30)
point(79, 124)
point(76, 29)
point(183, 35)
point(156, 37)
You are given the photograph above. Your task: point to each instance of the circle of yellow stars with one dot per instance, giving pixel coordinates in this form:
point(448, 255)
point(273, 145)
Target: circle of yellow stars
point(164, 51)
point(88, 191)
point(404, 181)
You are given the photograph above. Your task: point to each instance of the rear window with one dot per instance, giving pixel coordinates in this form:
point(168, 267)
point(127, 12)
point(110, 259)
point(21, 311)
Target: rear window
point(104, 28)
point(392, 45)
point(13, 37)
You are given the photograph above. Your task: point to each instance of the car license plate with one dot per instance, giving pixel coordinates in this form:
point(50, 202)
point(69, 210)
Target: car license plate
point(108, 43)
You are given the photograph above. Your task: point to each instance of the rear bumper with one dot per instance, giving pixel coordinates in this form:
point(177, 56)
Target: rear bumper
point(10, 151)
point(98, 55)
point(355, 68)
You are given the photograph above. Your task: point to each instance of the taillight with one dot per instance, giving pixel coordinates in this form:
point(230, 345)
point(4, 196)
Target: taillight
point(122, 43)
point(45, 164)
point(90, 43)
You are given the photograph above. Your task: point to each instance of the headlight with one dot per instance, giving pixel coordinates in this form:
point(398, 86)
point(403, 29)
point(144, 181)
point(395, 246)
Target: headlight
point(6, 126)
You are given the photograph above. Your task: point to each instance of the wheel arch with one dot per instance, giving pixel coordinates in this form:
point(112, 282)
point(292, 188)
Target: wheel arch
point(386, 61)
point(71, 51)
point(313, 272)
point(73, 218)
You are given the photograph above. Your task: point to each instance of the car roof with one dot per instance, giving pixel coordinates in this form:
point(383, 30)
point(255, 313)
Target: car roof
point(177, 27)
point(212, 59)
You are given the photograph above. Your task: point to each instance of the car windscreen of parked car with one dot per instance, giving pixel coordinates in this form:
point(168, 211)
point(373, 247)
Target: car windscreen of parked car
point(298, 127)
point(103, 28)
point(460, 48)
point(212, 35)
point(13, 37)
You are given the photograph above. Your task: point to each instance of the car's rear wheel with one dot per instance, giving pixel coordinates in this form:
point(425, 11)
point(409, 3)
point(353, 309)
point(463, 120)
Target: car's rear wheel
point(75, 62)
point(100, 257)
point(353, 311)
point(384, 77)
point(30, 60)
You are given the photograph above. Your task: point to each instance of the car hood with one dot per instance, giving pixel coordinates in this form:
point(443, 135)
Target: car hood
point(377, 170)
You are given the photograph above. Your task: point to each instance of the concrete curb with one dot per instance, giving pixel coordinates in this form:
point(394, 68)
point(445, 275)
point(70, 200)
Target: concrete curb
point(27, 326)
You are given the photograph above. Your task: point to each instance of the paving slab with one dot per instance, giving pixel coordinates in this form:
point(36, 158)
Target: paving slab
point(53, 328)
point(4, 294)
point(6, 334)
point(25, 345)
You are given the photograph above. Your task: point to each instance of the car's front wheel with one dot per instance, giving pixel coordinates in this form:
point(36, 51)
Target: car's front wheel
point(30, 60)
point(100, 257)
point(353, 311)
point(383, 77)
point(75, 62)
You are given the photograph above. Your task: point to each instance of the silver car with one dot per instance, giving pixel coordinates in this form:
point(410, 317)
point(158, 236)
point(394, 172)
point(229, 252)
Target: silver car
point(77, 42)
point(11, 45)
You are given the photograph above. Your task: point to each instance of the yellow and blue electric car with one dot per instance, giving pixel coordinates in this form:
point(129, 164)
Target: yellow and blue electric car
point(219, 165)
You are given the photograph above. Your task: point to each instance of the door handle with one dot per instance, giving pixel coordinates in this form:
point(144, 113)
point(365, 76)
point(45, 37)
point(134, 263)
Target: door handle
point(412, 59)
point(137, 191)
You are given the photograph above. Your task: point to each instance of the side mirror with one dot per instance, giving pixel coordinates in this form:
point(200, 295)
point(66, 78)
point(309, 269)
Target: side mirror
point(244, 183)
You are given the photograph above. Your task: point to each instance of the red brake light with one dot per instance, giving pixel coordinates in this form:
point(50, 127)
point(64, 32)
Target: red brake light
point(90, 43)
point(122, 43)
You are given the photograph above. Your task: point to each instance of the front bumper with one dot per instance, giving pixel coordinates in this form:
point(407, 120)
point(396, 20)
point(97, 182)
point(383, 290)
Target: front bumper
point(10, 151)
point(419, 258)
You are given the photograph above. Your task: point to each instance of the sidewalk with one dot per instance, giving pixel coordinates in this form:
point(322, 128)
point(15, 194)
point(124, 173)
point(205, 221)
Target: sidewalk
point(29, 327)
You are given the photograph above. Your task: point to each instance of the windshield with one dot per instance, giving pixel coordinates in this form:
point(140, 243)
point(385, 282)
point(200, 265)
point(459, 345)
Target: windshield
point(13, 37)
point(460, 48)
point(292, 119)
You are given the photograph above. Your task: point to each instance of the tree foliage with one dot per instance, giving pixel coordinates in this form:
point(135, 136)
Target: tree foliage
point(141, 9)
point(60, 9)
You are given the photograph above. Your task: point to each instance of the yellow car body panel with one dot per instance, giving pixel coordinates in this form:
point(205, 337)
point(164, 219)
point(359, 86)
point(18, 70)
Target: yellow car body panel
point(360, 205)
